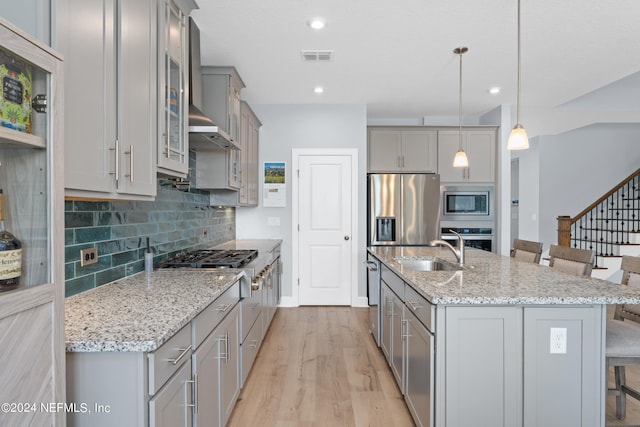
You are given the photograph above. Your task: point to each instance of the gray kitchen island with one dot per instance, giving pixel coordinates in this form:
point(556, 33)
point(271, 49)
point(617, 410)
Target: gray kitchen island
point(498, 343)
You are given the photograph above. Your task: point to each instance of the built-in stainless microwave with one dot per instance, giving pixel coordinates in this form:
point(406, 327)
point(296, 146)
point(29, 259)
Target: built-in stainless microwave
point(466, 202)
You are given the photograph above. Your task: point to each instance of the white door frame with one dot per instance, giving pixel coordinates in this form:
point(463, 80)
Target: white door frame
point(295, 165)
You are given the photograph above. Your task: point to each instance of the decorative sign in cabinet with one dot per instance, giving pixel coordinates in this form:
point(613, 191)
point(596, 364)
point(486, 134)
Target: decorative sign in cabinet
point(402, 150)
point(173, 84)
point(111, 97)
point(480, 146)
point(31, 165)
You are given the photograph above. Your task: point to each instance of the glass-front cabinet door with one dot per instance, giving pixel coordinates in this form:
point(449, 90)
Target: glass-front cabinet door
point(32, 229)
point(173, 145)
point(27, 79)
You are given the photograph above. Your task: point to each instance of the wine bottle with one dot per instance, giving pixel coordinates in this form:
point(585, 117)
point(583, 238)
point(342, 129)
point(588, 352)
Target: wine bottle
point(10, 255)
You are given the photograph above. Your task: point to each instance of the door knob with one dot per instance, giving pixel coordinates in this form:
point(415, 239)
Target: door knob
point(346, 237)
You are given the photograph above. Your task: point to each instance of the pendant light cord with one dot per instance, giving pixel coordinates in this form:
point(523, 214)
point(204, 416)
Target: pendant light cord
point(518, 95)
point(460, 106)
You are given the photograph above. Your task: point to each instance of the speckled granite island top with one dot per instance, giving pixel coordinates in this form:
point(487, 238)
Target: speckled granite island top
point(495, 279)
point(140, 312)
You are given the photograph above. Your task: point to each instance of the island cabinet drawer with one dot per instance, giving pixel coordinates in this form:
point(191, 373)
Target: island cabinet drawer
point(420, 307)
point(393, 281)
point(213, 314)
point(250, 309)
point(168, 358)
point(249, 351)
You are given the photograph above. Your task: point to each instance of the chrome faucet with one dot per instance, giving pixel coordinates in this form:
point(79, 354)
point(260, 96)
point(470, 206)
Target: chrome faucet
point(459, 253)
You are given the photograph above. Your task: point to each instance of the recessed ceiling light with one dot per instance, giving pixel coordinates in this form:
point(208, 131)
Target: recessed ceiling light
point(318, 89)
point(317, 23)
point(494, 90)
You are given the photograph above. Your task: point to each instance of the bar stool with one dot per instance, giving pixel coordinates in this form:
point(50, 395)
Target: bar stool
point(526, 250)
point(623, 338)
point(571, 260)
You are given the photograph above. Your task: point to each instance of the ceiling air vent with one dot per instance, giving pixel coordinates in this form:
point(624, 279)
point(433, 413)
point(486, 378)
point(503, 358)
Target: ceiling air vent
point(317, 55)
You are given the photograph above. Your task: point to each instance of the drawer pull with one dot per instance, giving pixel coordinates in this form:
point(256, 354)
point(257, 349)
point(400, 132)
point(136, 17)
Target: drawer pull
point(254, 343)
point(181, 355)
point(223, 307)
point(414, 305)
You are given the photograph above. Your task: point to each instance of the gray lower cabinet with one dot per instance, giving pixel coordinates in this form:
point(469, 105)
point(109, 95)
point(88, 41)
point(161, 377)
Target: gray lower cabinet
point(171, 407)
point(386, 304)
point(500, 370)
point(191, 379)
point(391, 342)
point(408, 346)
point(229, 363)
point(482, 374)
point(205, 373)
point(419, 372)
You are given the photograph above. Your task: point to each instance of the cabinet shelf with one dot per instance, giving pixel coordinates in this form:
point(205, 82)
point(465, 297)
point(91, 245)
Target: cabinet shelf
point(21, 139)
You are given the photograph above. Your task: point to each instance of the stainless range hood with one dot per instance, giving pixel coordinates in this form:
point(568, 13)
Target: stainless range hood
point(204, 134)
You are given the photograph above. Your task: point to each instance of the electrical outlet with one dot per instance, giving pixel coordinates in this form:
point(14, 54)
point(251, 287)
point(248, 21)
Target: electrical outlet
point(88, 256)
point(558, 341)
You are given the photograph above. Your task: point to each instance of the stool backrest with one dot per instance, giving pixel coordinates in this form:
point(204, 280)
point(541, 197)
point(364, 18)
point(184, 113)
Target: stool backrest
point(571, 260)
point(526, 250)
point(630, 267)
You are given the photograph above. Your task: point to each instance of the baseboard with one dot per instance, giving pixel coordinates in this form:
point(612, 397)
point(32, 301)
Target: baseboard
point(360, 302)
point(290, 302)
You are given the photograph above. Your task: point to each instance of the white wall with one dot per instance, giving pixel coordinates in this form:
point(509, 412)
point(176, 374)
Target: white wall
point(567, 172)
point(285, 127)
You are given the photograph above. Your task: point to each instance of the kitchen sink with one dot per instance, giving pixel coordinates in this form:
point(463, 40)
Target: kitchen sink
point(428, 264)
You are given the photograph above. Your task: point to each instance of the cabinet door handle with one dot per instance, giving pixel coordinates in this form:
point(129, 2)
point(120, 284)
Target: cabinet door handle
point(181, 355)
point(389, 308)
point(130, 153)
point(193, 405)
point(116, 148)
point(405, 329)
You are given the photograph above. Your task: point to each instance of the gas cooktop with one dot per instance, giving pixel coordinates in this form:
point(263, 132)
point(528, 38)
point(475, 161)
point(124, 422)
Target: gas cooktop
point(212, 258)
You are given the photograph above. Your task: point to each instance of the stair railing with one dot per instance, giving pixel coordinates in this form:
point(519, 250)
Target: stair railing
point(605, 223)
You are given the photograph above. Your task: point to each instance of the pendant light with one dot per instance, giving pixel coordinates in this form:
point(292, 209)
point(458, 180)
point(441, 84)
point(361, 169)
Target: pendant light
point(518, 139)
point(460, 160)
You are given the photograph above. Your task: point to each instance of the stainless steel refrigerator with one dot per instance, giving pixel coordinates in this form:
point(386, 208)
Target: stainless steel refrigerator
point(404, 209)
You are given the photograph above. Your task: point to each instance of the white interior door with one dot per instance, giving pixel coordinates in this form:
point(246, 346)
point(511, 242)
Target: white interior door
point(325, 240)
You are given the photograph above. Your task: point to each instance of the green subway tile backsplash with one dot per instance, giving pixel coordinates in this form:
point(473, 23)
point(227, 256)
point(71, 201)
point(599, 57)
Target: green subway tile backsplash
point(176, 221)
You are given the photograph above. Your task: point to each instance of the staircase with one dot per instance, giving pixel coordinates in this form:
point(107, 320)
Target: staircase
point(610, 227)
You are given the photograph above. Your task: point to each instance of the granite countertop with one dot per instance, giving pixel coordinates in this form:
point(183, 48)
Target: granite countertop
point(140, 312)
point(495, 279)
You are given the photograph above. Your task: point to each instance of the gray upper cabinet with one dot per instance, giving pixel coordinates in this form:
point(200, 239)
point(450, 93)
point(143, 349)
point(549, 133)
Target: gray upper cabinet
point(173, 85)
point(480, 146)
point(402, 150)
point(110, 50)
point(249, 140)
point(221, 88)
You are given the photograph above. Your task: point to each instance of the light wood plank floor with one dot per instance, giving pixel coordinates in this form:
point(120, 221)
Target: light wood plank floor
point(318, 366)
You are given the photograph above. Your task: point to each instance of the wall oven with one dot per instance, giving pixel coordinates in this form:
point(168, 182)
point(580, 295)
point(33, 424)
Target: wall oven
point(474, 237)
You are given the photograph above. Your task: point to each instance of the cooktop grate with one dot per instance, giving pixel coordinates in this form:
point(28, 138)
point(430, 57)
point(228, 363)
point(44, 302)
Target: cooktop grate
point(212, 258)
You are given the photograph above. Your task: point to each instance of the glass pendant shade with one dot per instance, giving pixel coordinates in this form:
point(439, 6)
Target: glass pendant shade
point(518, 139)
point(460, 160)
